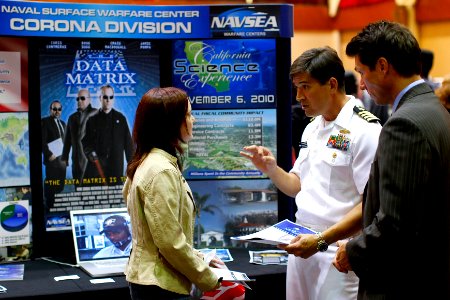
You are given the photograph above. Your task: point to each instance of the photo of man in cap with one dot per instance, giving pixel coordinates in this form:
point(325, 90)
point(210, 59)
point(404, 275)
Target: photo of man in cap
point(116, 229)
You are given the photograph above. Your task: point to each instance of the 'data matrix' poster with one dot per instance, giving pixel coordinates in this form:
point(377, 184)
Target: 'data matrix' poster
point(89, 89)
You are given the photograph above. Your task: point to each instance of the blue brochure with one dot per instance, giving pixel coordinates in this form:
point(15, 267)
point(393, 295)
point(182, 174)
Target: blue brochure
point(280, 233)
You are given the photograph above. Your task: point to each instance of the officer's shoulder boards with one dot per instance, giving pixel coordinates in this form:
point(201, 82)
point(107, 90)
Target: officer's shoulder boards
point(366, 115)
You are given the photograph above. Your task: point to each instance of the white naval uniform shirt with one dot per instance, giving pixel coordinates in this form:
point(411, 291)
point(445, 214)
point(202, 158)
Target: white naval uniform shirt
point(332, 180)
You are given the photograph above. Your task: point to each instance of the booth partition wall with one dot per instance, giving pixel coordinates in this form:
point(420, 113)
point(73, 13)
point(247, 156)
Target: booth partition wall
point(233, 61)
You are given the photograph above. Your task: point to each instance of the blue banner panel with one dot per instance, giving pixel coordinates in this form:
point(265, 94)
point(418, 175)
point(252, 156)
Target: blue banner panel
point(226, 73)
point(252, 21)
point(100, 20)
point(20, 18)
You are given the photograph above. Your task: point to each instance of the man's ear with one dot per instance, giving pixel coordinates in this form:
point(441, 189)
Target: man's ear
point(382, 65)
point(333, 84)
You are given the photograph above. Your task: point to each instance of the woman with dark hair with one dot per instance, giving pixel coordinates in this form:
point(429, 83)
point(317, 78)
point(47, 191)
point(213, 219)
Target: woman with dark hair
point(163, 263)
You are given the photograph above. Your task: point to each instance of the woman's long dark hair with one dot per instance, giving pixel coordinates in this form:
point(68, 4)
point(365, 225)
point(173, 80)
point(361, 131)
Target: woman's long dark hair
point(159, 117)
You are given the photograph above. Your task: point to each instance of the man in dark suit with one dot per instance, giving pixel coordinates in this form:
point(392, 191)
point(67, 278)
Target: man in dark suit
point(76, 126)
point(105, 142)
point(53, 130)
point(427, 58)
point(403, 251)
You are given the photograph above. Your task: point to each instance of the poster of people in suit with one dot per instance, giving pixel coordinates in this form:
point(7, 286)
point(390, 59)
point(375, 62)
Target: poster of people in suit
point(89, 92)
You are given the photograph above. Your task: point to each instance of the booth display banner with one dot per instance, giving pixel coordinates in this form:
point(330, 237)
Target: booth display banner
point(130, 67)
point(20, 18)
point(219, 135)
point(15, 191)
point(14, 133)
point(224, 56)
point(232, 88)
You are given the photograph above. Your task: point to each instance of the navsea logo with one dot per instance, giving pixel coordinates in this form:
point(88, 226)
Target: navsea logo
point(245, 20)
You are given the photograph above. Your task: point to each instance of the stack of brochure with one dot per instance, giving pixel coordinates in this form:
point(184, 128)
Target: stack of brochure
point(11, 272)
point(268, 257)
point(229, 275)
point(223, 254)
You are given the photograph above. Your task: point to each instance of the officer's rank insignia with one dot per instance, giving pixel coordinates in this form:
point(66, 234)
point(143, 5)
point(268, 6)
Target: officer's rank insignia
point(340, 141)
point(366, 115)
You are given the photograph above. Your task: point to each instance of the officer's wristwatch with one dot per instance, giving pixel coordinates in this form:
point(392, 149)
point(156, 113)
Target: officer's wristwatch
point(322, 246)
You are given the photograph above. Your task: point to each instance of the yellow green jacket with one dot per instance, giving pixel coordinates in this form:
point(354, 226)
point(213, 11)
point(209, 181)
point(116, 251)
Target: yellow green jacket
point(162, 213)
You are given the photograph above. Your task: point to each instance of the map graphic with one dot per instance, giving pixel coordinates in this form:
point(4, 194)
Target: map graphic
point(14, 149)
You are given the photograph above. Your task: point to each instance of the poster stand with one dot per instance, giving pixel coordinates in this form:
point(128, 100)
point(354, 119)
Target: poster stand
point(233, 60)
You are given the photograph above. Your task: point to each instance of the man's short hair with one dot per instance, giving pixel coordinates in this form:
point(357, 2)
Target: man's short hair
point(321, 64)
point(427, 57)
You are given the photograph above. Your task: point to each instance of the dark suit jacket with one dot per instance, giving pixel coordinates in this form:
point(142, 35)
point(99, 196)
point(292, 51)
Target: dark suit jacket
point(75, 131)
point(50, 133)
point(403, 251)
point(110, 151)
point(54, 170)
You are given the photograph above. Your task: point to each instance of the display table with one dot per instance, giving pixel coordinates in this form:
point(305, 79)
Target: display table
point(38, 281)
